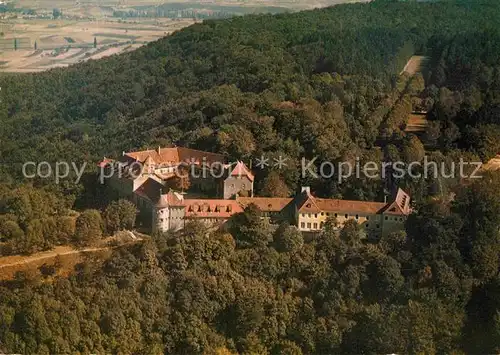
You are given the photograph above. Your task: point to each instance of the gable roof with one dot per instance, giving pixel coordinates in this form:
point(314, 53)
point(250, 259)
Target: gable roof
point(195, 208)
point(265, 204)
point(400, 205)
point(200, 208)
point(150, 190)
point(306, 203)
point(240, 169)
point(349, 206)
point(173, 156)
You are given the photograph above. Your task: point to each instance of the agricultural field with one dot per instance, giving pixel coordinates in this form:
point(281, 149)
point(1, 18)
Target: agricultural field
point(46, 44)
point(37, 35)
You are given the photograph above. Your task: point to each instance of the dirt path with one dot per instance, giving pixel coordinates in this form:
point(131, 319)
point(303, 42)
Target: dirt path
point(414, 65)
point(58, 251)
point(15, 260)
point(493, 164)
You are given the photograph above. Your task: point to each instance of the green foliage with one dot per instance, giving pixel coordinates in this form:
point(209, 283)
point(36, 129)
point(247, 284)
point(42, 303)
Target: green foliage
point(32, 219)
point(195, 291)
point(248, 229)
point(119, 215)
point(288, 238)
point(274, 186)
point(88, 228)
point(322, 83)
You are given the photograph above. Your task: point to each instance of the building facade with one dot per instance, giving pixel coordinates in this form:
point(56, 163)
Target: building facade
point(145, 177)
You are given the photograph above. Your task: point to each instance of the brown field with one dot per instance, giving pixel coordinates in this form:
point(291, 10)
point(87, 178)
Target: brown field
point(62, 43)
point(90, 5)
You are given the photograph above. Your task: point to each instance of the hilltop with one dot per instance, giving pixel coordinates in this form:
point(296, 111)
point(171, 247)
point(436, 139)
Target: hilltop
point(327, 84)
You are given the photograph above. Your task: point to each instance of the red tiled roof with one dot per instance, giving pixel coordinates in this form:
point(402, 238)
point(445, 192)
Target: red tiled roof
point(240, 169)
point(105, 162)
point(400, 205)
point(333, 205)
point(175, 155)
point(211, 208)
point(201, 208)
point(265, 204)
point(306, 203)
point(170, 199)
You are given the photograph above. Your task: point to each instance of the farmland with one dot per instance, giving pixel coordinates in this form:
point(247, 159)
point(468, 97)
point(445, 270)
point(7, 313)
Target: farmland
point(49, 44)
point(39, 35)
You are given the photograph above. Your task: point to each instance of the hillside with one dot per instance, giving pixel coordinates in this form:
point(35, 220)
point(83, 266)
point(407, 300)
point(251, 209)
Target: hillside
point(327, 83)
point(162, 93)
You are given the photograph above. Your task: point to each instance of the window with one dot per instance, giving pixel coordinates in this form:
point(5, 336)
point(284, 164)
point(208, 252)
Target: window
point(367, 218)
point(322, 213)
point(357, 216)
point(328, 214)
point(309, 215)
point(243, 186)
point(315, 215)
point(336, 215)
point(367, 225)
point(309, 225)
point(302, 225)
point(386, 218)
point(346, 216)
point(303, 214)
point(315, 225)
point(378, 225)
point(321, 225)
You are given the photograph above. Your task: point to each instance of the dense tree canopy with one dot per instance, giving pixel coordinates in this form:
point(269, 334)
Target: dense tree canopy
point(324, 83)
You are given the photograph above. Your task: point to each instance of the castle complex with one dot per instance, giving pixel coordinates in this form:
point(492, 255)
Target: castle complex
point(152, 180)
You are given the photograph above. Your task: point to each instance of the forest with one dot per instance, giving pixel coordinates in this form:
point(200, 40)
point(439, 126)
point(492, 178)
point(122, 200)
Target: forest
point(324, 83)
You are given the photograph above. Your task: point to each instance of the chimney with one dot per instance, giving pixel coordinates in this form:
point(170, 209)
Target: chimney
point(306, 189)
point(159, 149)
